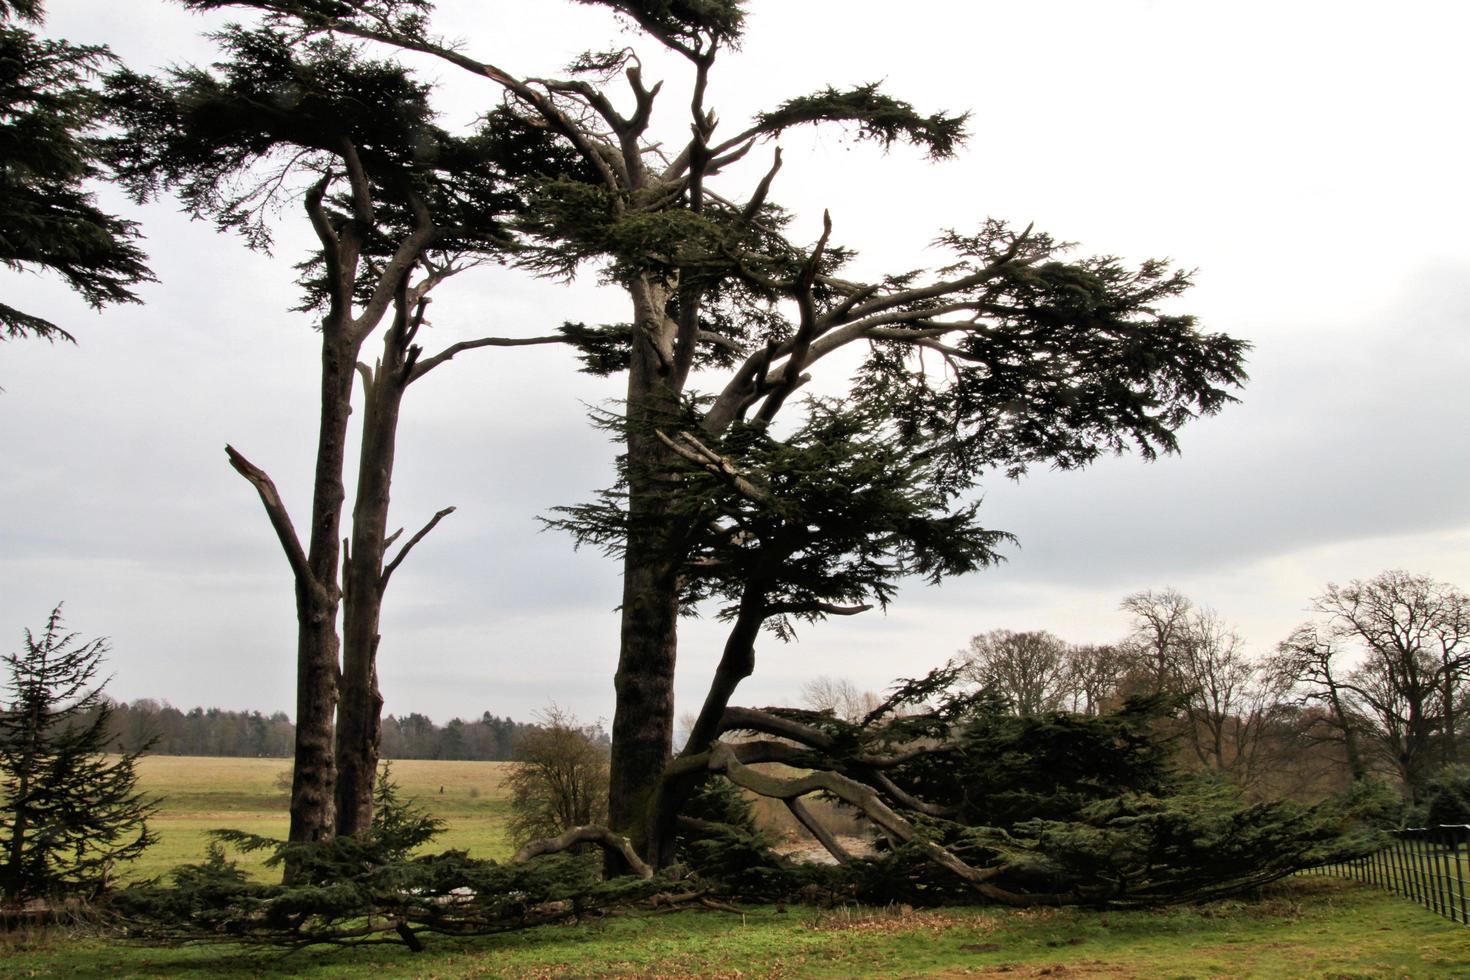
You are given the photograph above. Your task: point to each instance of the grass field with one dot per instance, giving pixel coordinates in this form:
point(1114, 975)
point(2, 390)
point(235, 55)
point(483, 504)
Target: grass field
point(204, 794)
point(1304, 927)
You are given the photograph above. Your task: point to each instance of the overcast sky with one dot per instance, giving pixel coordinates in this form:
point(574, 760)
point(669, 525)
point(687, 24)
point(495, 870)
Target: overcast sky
point(1307, 158)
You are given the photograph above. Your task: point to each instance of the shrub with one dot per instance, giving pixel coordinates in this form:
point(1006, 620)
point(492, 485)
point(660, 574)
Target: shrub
point(560, 778)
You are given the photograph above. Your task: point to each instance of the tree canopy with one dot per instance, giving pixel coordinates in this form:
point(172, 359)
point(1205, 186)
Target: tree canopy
point(51, 116)
point(1013, 354)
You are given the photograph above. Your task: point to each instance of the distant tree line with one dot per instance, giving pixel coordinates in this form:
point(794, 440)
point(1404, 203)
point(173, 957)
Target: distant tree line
point(216, 731)
point(1376, 685)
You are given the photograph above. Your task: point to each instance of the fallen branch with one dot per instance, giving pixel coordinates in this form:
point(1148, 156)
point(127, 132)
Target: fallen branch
point(601, 836)
point(814, 826)
point(722, 759)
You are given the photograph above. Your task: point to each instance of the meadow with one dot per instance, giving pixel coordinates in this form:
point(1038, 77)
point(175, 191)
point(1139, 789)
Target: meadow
point(203, 794)
point(1307, 926)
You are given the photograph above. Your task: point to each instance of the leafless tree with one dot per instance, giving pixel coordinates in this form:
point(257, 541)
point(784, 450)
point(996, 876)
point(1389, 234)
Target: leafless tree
point(1408, 637)
point(1029, 669)
point(560, 779)
point(1231, 701)
point(839, 696)
point(1160, 621)
point(1095, 676)
point(1314, 670)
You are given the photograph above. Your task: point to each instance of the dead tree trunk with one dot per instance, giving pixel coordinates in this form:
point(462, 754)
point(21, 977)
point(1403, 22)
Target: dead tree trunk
point(317, 589)
point(359, 725)
point(367, 570)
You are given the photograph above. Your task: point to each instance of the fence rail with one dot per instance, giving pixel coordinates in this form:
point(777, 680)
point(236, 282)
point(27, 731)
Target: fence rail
point(1426, 864)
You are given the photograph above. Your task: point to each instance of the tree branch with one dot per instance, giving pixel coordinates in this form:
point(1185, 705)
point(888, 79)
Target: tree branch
point(398, 268)
point(601, 836)
point(408, 545)
point(696, 452)
point(863, 797)
point(424, 366)
point(279, 518)
point(814, 826)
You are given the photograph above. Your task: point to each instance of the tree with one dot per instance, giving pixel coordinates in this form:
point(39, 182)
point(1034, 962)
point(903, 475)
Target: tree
point(971, 800)
point(1160, 623)
point(1038, 359)
point(49, 117)
point(1095, 677)
point(1313, 669)
point(1410, 638)
point(560, 778)
point(839, 696)
point(1030, 670)
point(1232, 703)
point(70, 813)
point(398, 205)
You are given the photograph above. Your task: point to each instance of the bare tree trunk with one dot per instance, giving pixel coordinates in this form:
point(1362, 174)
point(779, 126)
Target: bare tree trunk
point(314, 775)
point(359, 716)
point(1450, 755)
point(314, 780)
point(1356, 770)
point(318, 592)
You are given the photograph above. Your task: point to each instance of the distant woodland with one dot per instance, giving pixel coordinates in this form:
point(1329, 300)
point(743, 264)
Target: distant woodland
point(214, 731)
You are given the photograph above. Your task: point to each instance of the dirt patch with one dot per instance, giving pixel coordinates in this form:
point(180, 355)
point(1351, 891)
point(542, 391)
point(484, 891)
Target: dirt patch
point(894, 918)
point(1092, 969)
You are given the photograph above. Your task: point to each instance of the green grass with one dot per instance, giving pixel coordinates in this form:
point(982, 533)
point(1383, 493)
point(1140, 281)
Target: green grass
point(1307, 927)
point(204, 794)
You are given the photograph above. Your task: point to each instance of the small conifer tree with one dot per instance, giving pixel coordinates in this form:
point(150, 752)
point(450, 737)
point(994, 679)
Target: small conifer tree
point(69, 813)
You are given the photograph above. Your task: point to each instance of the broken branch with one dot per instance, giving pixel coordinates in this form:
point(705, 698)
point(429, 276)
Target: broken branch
point(408, 545)
point(279, 518)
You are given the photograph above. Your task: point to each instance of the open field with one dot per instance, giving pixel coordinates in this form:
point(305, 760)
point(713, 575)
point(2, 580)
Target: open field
point(204, 794)
point(1305, 927)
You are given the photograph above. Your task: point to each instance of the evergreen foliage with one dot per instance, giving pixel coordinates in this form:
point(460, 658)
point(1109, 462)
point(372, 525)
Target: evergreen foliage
point(1447, 798)
point(226, 139)
point(68, 813)
point(50, 114)
point(1051, 808)
point(349, 890)
point(825, 520)
point(721, 847)
point(1012, 355)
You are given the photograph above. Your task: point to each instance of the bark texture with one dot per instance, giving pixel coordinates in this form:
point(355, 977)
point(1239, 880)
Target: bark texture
point(643, 719)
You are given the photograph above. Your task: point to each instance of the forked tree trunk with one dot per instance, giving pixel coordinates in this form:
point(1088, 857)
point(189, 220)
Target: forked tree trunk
point(737, 662)
point(318, 595)
point(359, 716)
